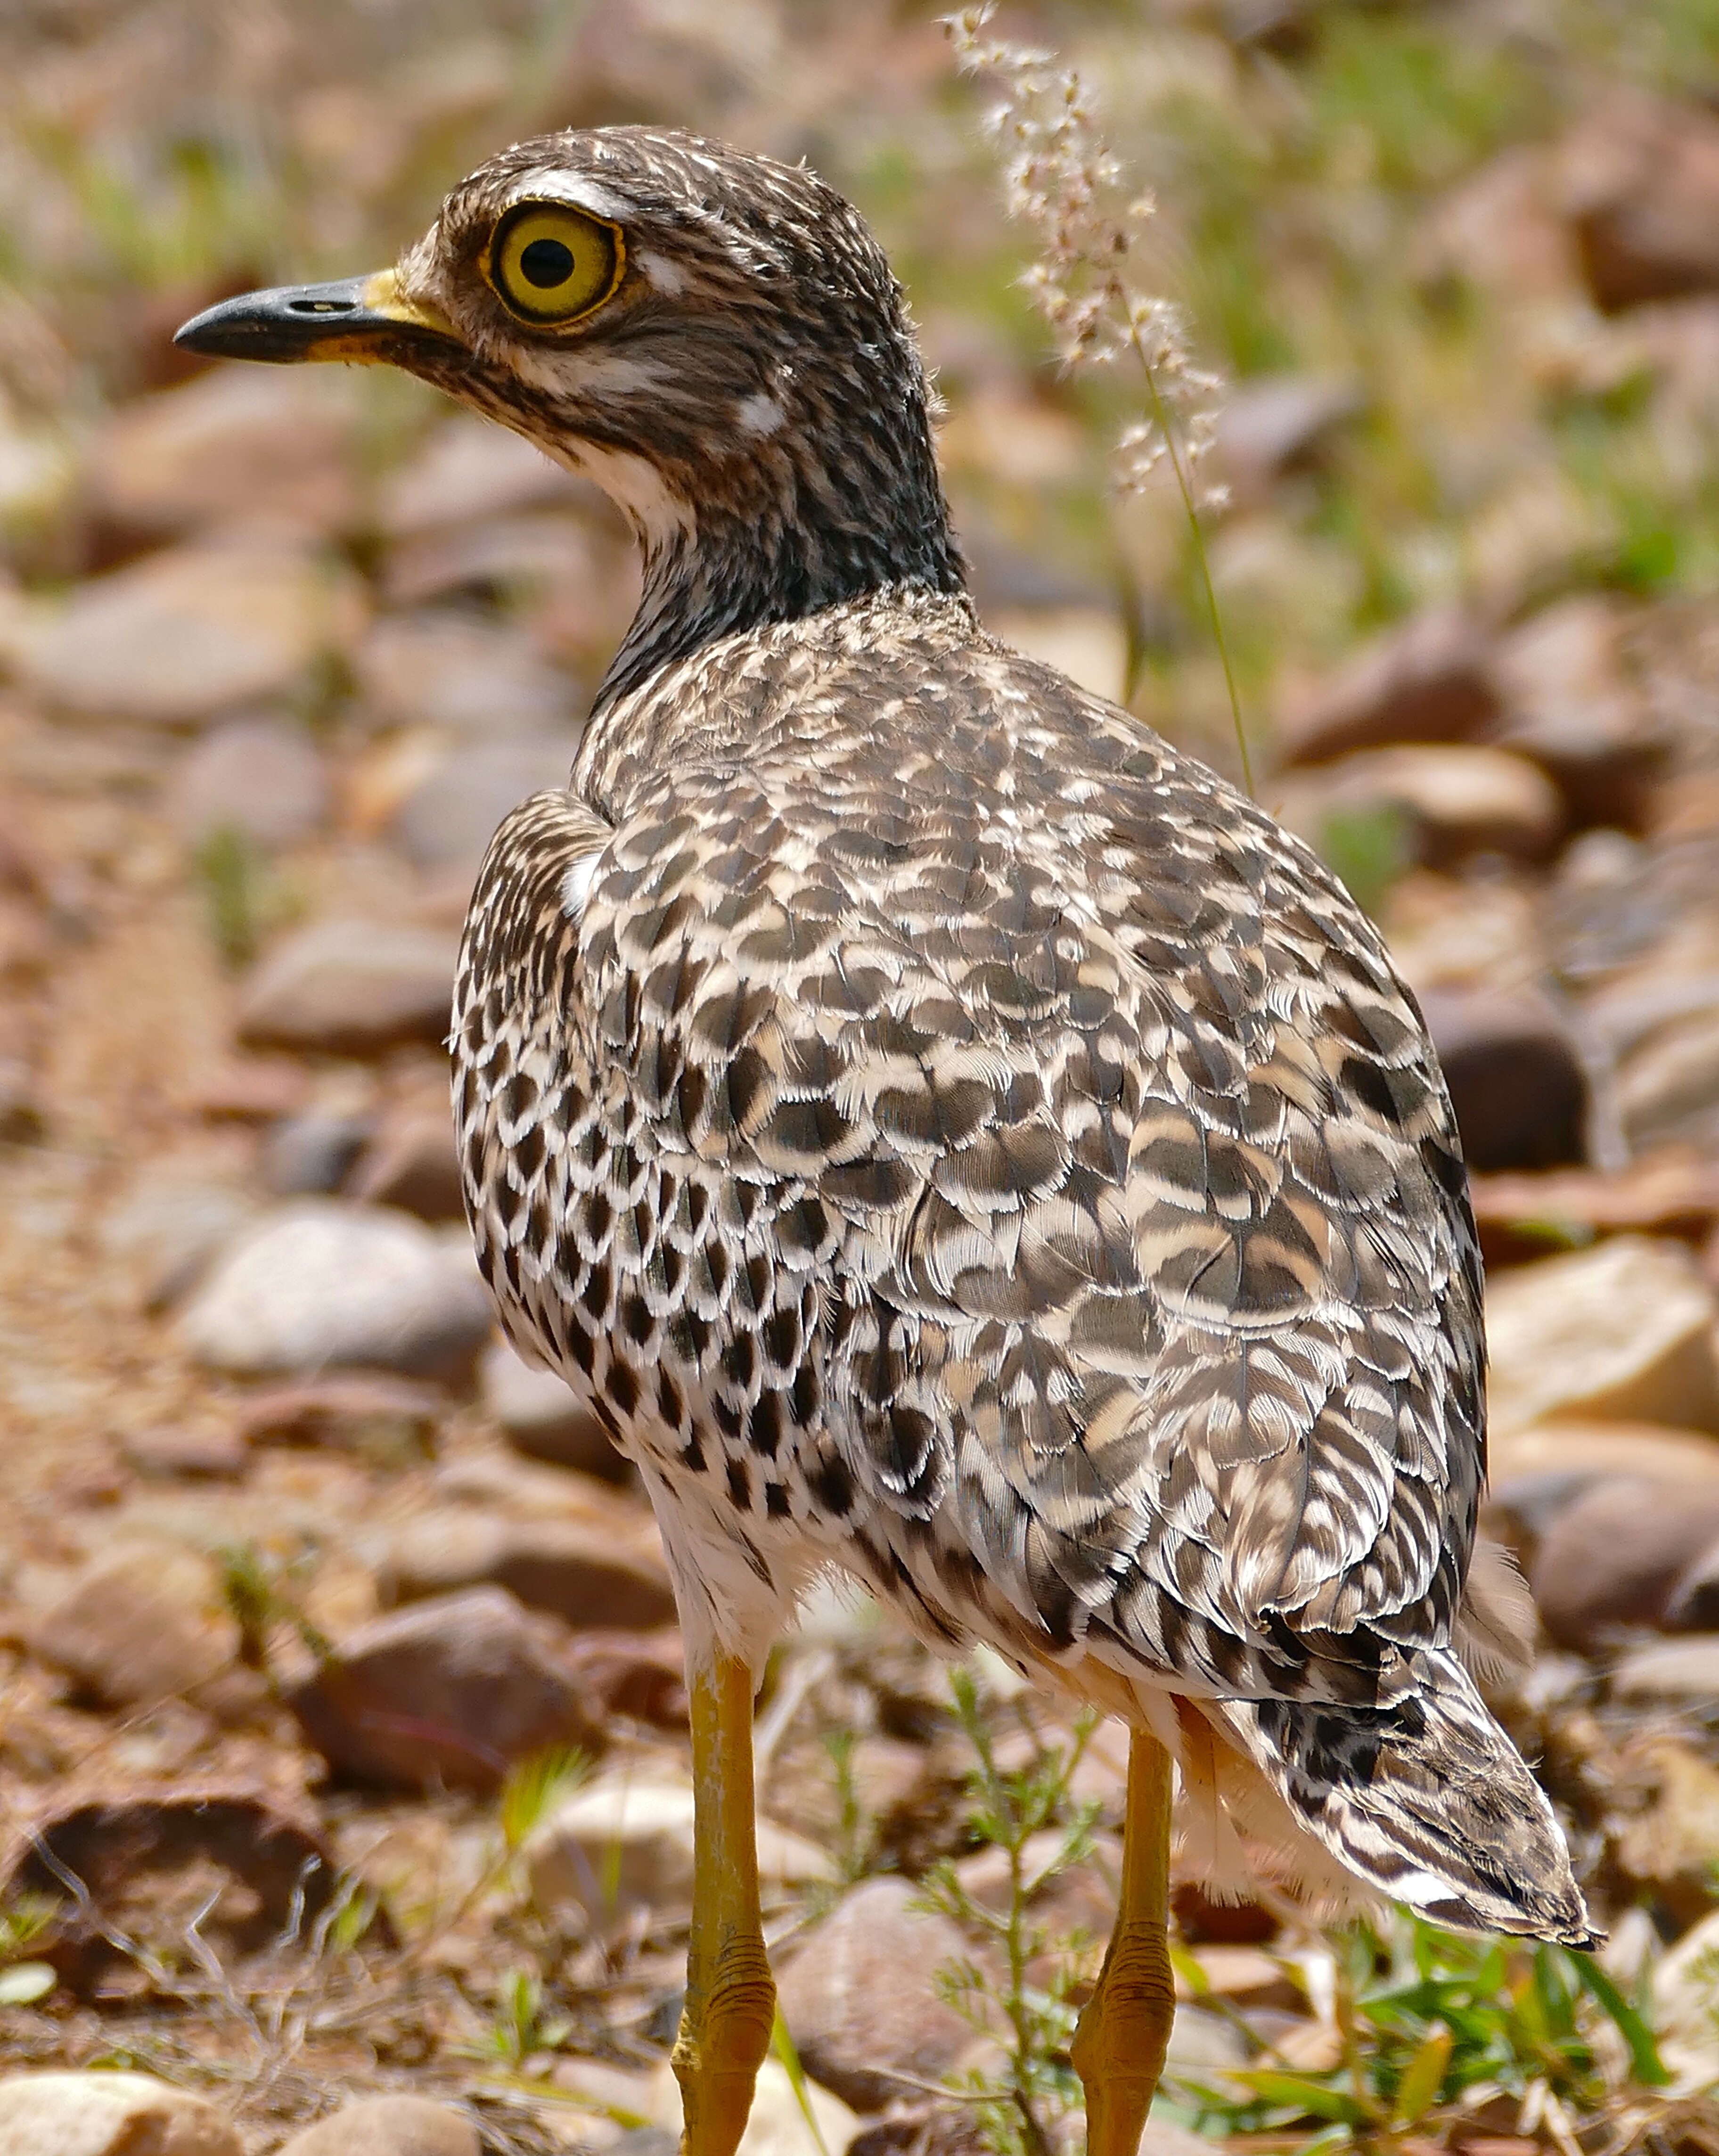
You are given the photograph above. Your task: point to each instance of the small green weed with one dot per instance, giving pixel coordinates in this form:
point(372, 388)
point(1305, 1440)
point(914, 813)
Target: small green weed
point(1022, 2107)
point(23, 1920)
point(522, 2024)
point(1429, 2022)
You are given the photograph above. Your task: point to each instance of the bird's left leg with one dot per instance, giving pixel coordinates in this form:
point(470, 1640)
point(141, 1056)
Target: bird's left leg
point(730, 1999)
point(1124, 2030)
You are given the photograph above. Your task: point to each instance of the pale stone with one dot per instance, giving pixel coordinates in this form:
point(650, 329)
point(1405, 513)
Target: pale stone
point(543, 1418)
point(259, 776)
point(620, 1845)
point(138, 1626)
point(1454, 799)
point(1621, 1332)
point(777, 2126)
point(109, 2114)
point(476, 677)
point(183, 636)
point(317, 1283)
point(349, 987)
point(386, 2126)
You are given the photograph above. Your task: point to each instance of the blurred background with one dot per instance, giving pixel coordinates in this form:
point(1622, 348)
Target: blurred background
point(341, 1673)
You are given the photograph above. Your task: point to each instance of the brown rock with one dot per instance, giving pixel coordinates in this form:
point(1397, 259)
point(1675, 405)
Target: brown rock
point(1672, 1192)
point(1516, 1077)
point(1622, 1332)
point(1683, 1671)
point(1667, 1089)
point(262, 776)
point(139, 1626)
point(542, 1417)
point(860, 1998)
point(349, 987)
point(147, 1864)
point(472, 677)
point(1272, 425)
point(1693, 1604)
point(1668, 1795)
point(1596, 1448)
point(351, 1415)
point(386, 2126)
point(413, 1165)
point(237, 443)
point(311, 1154)
point(1451, 801)
point(575, 1569)
point(641, 1675)
point(177, 638)
point(198, 1452)
point(451, 1692)
point(1640, 185)
point(1572, 705)
point(1428, 680)
point(1612, 1557)
point(465, 471)
point(448, 819)
point(109, 2114)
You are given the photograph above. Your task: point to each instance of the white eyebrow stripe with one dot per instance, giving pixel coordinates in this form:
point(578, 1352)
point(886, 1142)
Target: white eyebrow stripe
point(574, 188)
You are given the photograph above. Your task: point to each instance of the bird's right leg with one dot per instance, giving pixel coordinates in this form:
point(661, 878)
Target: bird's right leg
point(730, 1999)
point(1124, 2029)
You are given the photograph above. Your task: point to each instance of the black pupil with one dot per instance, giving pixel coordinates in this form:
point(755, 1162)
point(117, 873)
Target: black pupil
point(546, 263)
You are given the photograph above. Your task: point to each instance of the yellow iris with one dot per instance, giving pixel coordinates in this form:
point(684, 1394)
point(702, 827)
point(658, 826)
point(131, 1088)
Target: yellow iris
point(552, 264)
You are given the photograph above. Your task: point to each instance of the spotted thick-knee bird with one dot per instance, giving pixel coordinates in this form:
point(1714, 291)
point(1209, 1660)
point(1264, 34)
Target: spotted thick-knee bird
point(948, 1136)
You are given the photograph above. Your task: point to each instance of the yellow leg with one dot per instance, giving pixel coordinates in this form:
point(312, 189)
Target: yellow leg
point(730, 2001)
point(1119, 2047)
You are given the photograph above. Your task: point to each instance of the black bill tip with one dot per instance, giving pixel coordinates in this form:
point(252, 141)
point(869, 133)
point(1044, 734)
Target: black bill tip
point(355, 318)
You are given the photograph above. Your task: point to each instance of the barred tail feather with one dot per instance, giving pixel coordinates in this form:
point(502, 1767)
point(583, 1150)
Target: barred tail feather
point(1426, 1802)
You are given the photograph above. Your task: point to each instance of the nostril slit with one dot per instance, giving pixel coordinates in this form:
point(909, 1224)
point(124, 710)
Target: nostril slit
point(323, 307)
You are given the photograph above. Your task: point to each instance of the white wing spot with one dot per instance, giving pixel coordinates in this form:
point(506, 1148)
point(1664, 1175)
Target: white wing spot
point(576, 883)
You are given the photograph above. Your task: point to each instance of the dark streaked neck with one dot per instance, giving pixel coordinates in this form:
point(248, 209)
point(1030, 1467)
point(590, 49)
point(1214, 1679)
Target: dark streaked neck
point(785, 539)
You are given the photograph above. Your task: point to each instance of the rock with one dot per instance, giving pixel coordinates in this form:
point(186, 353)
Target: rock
point(233, 444)
point(579, 1570)
point(1667, 1797)
point(517, 563)
point(1088, 644)
point(455, 670)
point(311, 1155)
point(1667, 1090)
point(1673, 1192)
point(1499, 228)
point(620, 1845)
point(1516, 1077)
point(1693, 1603)
point(776, 2125)
point(641, 1675)
point(202, 1453)
point(261, 777)
point(1639, 183)
point(450, 1692)
point(318, 1283)
point(860, 1995)
point(1272, 425)
point(1592, 1449)
point(464, 470)
point(541, 1418)
point(1428, 680)
point(350, 1415)
point(1681, 1671)
point(104, 2113)
point(1611, 1558)
point(1572, 707)
point(447, 821)
point(386, 2126)
point(349, 987)
point(169, 1232)
point(147, 1865)
point(138, 1626)
point(1450, 800)
point(414, 1165)
point(1624, 1331)
point(186, 634)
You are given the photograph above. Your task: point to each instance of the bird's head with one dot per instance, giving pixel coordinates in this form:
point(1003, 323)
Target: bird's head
point(714, 338)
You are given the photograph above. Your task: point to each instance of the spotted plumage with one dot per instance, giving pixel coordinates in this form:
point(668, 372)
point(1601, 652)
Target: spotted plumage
point(949, 1135)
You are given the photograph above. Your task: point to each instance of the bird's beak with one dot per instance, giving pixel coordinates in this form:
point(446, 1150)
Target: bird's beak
point(359, 318)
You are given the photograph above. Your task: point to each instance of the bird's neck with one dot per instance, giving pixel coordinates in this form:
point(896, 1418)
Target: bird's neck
point(777, 538)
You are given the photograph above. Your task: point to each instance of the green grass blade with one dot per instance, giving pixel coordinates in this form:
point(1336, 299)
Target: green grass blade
point(1645, 2063)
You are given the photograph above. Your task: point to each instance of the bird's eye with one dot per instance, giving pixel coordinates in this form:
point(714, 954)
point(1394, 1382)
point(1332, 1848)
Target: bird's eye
point(551, 264)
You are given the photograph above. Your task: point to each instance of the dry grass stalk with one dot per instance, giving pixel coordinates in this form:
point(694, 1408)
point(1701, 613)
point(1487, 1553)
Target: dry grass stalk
point(1063, 181)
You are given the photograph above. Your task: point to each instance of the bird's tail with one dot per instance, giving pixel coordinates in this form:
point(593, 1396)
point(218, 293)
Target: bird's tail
point(1427, 1802)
